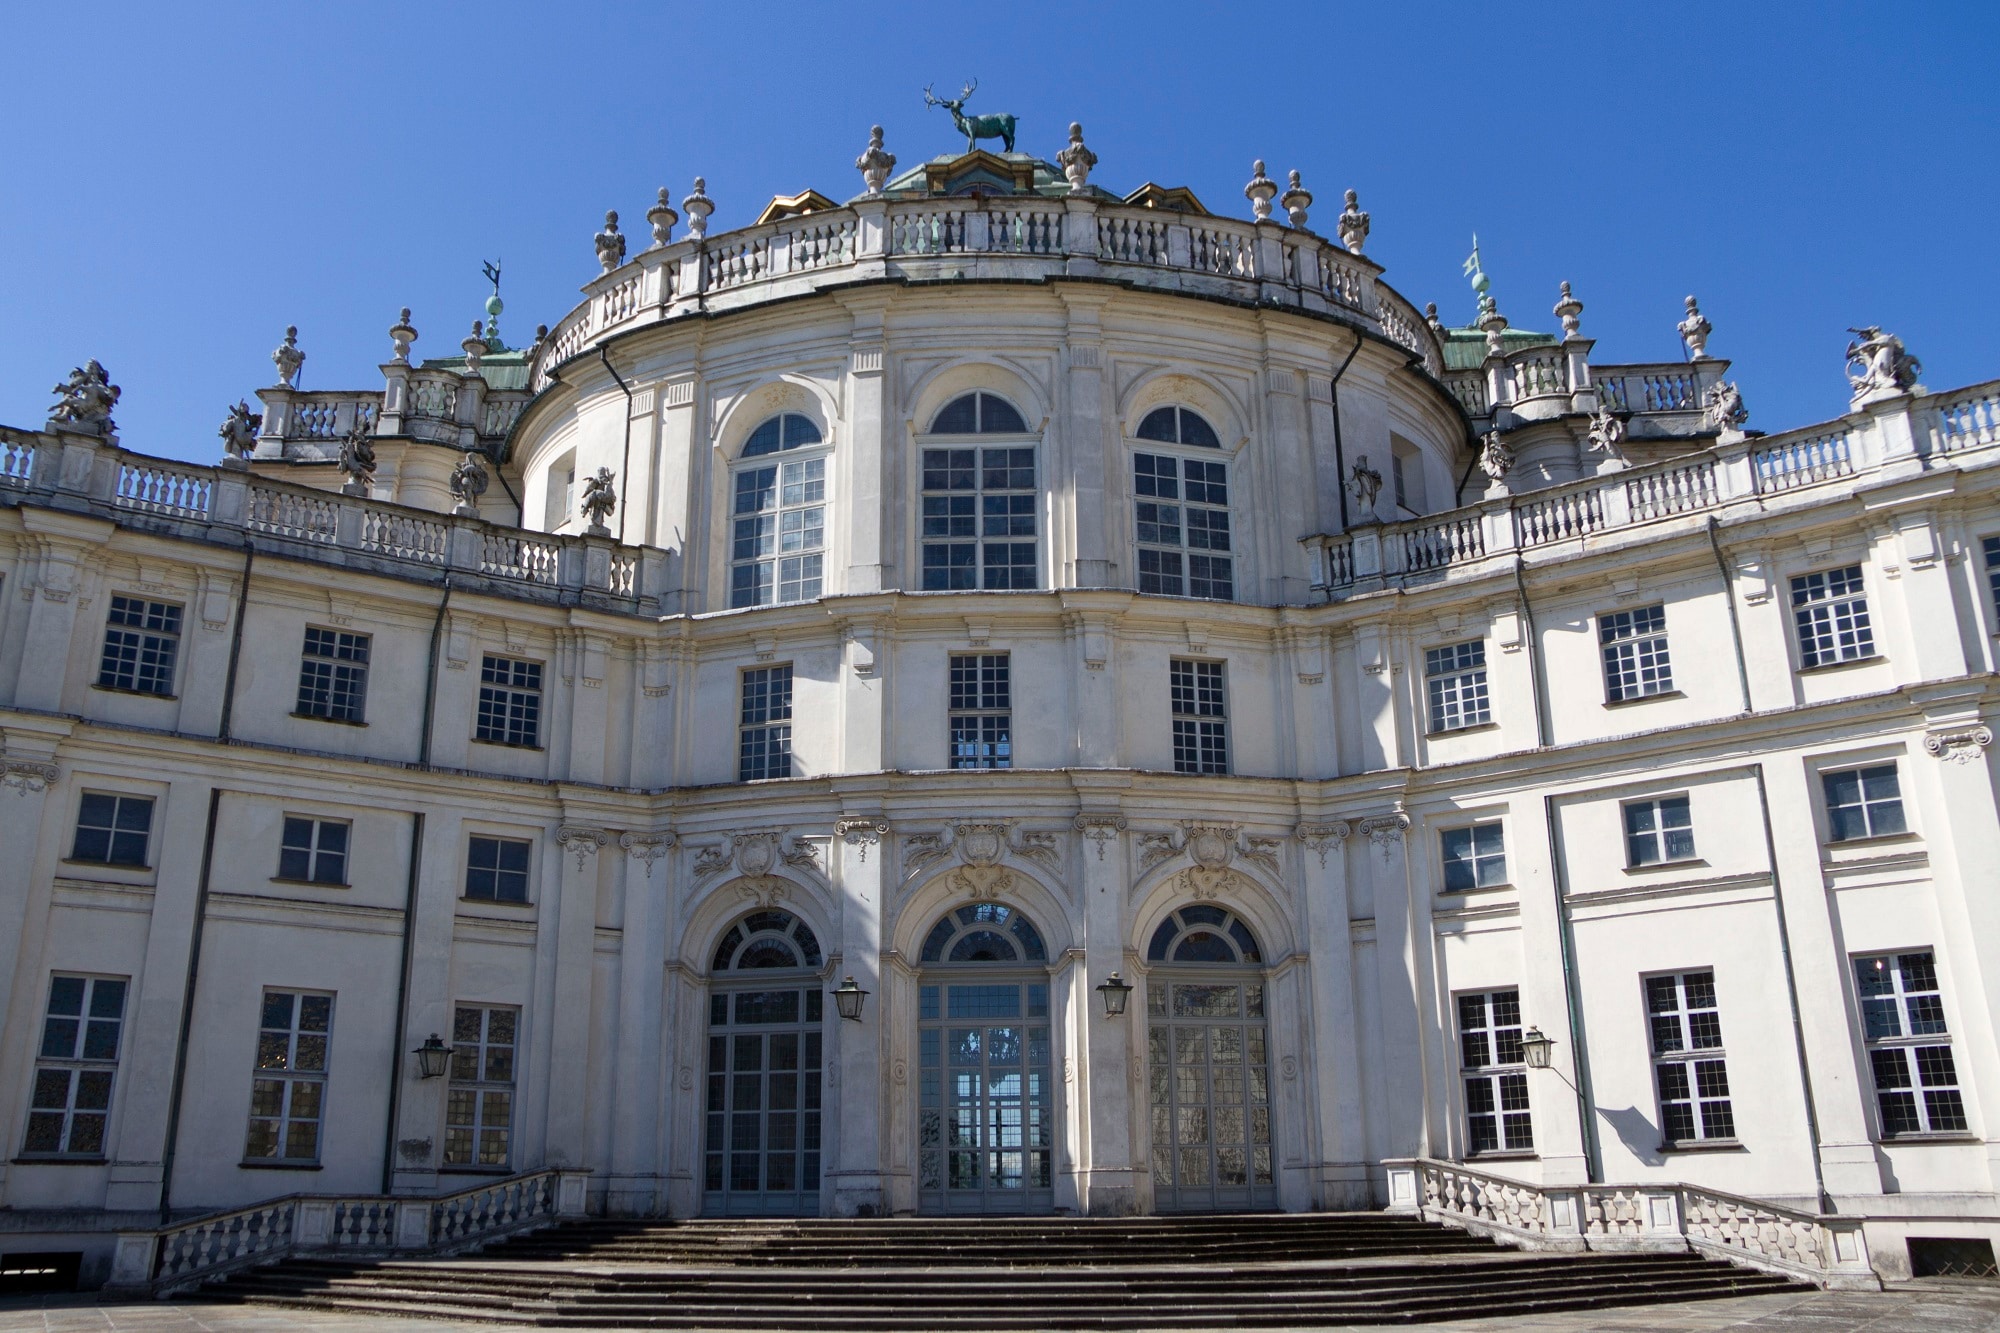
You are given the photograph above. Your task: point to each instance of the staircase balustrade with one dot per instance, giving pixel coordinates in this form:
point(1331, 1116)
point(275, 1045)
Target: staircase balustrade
point(183, 1255)
point(1828, 1250)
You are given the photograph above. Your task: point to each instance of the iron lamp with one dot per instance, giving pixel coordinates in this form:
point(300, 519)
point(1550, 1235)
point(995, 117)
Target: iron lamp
point(1536, 1048)
point(1116, 991)
point(431, 1057)
point(848, 998)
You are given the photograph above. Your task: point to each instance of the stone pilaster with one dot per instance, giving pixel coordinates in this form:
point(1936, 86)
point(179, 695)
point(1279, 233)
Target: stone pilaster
point(1112, 1090)
point(640, 1084)
point(1398, 975)
point(574, 916)
point(863, 462)
point(420, 1110)
point(859, 1055)
point(1083, 450)
point(1341, 1128)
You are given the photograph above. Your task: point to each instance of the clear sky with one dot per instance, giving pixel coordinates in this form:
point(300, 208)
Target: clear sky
point(180, 182)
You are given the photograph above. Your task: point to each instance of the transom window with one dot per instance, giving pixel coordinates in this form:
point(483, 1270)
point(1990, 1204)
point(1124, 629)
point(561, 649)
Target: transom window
point(1178, 425)
point(979, 519)
point(778, 518)
point(1635, 653)
point(984, 933)
point(479, 1104)
point(767, 939)
point(1497, 1118)
point(1658, 831)
point(1909, 1047)
point(1688, 1064)
point(510, 701)
point(1200, 716)
point(764, 725)
point(1455, 683)
point(979, 413)
point(1181, 506)
point(1203, 933)
point(1830, 612)
point(288, 1088)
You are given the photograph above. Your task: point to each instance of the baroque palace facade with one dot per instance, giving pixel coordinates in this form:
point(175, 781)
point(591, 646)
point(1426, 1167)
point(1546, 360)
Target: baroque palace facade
point(1000, 592)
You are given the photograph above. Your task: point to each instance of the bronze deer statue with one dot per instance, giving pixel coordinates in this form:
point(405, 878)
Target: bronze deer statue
point(974, 128)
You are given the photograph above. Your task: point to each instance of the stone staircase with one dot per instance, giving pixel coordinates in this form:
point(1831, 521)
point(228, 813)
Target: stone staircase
point(1262, 1270)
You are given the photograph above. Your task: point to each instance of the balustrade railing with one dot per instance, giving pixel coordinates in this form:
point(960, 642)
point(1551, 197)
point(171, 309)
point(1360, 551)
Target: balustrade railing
point(1802, 461)
point(1663, 388)
point(184, 1255)
point(148, 487)
point(328, 417)
point(1433, 545)
point(1125, 239)
point(620, 301)
point(303, 516)
point(1540, 374)
point(17, 458)
point(434, 397)
point(404, 536)
point(1677, 488)
point(1964, 420)
point(1469, 387)
point(1827, 1249)
point(500, 415)
point(1569, 514)
point(515, 557)
point(1223, 250)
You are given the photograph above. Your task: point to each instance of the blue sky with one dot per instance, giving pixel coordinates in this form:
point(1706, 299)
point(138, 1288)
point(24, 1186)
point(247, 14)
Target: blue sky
point(178, 183)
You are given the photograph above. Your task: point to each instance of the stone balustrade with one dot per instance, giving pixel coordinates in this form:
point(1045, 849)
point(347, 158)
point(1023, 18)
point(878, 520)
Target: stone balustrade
point(82, 472)
point(1825, 1249)
point(183, 1255)
point(1022, 239)
point(1921, 432)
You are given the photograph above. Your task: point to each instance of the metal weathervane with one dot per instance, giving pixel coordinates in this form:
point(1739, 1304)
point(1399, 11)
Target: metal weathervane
point(494, 305)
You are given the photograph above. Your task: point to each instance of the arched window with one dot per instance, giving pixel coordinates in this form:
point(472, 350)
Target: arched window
point(1203, 933)
point(778, 517)
point(1178, 425)
point(980, 501)
point(1181, 509)
point(767, 939)
point(984, 933)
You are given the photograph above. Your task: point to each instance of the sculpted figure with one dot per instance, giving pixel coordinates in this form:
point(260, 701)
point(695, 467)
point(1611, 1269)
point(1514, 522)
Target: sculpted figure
point(239, 430)
point(610, 245)
point(1495, 458)
point(86, 399)
point(1877, 362)
point(600, 497)
point(974, 128)
point(1365, 482)
point(357, 460)
point(1606, 433)
point(468, 483)
point(1723, 406)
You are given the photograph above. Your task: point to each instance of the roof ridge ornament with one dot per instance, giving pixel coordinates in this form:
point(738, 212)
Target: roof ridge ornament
point(401, 334)
point(1570, 311)
point(999, 125)
point(1694, 331)
point(875, 162)
point(287, 358)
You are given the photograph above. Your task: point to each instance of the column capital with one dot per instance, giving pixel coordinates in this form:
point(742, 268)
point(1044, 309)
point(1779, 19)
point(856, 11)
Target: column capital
point(581, 842)
point(1323, 838)
point(646, 847)
point(1385, 832)
point(1953, 745)
point(1101, 827)
point(25, 777)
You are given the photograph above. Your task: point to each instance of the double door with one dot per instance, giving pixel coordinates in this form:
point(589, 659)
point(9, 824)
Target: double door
point(1209, 1089)
point(761, 1138)
point(986, 1104)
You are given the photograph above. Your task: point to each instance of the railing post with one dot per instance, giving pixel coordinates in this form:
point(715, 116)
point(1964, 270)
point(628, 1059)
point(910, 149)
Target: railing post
point(312, 1224)
point(597, 563)
point(1894, 427)
point(572, 562)
point(1268, 257)
point(467, 545)
point(229, 499)
point(1615, 501)
point(1735, 478)
point(1080, 235)
point(348, 518)
point(572, 1193)
point(871, 238)
point(413, 1224)
point(133, 1261)
point(278, 403)
point(1369, 555)
point(1497, 528)
point(1404, 1194)
point(1180, 246)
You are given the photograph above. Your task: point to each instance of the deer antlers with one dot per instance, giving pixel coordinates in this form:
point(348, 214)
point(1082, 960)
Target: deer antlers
point(931, 100)
point(970, 88)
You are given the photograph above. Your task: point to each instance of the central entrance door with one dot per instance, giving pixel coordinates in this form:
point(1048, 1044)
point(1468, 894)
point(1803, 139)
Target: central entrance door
point(986, 1112)
point(1208, 1065)
point(766, 1008)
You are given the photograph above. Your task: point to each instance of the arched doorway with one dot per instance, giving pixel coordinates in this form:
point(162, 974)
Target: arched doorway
point(1208, 1064)
point(761, 1134)
point(986, 1111)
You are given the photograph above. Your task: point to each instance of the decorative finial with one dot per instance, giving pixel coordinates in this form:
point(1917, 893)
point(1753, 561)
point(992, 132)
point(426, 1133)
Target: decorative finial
point(239, 434)
point(1878, 365)
point(1569, 310)
point(610, 245)
point(357, 461)
point(401, 334)
point(1477, 272)
point(1076, 160)
point(494, 305)
point(875, 162)
point(662, 217)
point(468, 483)
point(474, 347)
point(1296, 200)
point(1694, 332)
point(1354, 225)
point(600, 497)
point(698, 206)
point(288, 358)
point(1260, 191)
point(1431, 318)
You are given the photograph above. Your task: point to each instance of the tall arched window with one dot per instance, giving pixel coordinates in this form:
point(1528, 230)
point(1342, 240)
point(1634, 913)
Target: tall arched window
point(778, 517)
point(980, 500)
point(1181, 505)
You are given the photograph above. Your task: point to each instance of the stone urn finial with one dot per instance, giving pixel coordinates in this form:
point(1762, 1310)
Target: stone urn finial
point(1570, 311)
point(1694, 332)
point(1492, 323)
point(610, 245)
point(1431, 318)
point(662, 218)
point(1076, 160)
point(1353, 224)
point(288, 358)
point(875, 162)
point(1260, 191)
point(600, 498)
point(474, 347)
point(698, 206)
point(1296, 200)
point(401, 334)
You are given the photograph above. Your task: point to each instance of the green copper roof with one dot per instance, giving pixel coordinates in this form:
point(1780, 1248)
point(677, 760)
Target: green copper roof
point(1046, 177)
point(500, 370)
point(1465, 349)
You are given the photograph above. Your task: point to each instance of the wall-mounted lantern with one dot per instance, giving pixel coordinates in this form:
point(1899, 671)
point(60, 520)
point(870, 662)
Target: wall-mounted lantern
point(431, 1057)
point(848, 999)
point(1116, 991)
point(1536, 1048)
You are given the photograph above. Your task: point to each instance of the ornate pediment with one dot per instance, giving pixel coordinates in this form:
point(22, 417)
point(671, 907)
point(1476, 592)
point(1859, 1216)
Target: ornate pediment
point(1213, 849)
point(980, 845)
point(757, 853)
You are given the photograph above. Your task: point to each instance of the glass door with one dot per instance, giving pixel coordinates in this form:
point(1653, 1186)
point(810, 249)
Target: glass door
point(762, 1139)
point(986, 1116)
point(1210, 1093)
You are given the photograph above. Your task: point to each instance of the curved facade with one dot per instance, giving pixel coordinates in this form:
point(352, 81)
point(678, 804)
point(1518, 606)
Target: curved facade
point(1012, 598)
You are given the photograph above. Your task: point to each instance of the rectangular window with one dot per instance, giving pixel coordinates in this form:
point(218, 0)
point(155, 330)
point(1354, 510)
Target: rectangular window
point(1658, 831)
point(1635, 653)
point(1688, 1065)
point(314, 850)
point(764, 728)
point(1863, 803)
point(288, 1086)
point(779, 533)
point(1992, 550)
point(1455, 680)
point(496, 869)
point(112, 830)
point(1830, 611)
point(979, 523)
point(1474, 857)
point(333, 675)
point(1182, 508)
point(1909, 1047)
point(1496, 1076)
point(510, 701)
point(479, 1105)
point(71, 1100)
point(141, 641)
point(1201, 725)
point(982, 730)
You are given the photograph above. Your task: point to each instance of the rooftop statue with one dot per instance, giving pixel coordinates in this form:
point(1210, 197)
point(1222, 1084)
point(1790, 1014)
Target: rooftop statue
point(468, 483)
point(661, 217)
point(1606, 434)
point(1260, 191)
point(610, 245)
point(698, 206)
point(1877, 363)
point(974, 128)
point(1570, 311)
point(1495, 458)
point(85, 399)
point(1366, 483)
point(357, 461)
point(1296, 200)
point(239, 432)
point(288, 358)
point(401, 334)
point(600, 497)
point(1722, 407)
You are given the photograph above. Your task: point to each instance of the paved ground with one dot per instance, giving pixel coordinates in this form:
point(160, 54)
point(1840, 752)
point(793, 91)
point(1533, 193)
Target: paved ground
point(1964, 1308)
